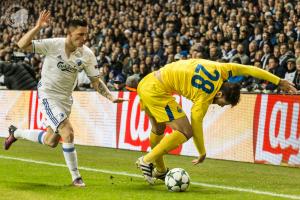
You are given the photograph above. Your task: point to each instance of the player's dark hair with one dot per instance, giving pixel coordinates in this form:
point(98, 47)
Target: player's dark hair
point(77, 21)
point(231, 92)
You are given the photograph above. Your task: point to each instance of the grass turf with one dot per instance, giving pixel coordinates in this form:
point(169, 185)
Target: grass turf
point(23, 180)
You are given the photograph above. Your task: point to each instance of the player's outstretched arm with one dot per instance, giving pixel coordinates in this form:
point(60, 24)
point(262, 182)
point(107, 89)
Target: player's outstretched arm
point(198, 113)
point(242, 70)
point(100, 87)
point(25, 41)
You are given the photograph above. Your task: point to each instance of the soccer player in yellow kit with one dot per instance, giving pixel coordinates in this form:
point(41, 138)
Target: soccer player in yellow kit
point(201, 81)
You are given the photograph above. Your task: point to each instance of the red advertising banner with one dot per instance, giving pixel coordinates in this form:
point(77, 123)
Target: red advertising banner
point(276, 129)
point(260, 129)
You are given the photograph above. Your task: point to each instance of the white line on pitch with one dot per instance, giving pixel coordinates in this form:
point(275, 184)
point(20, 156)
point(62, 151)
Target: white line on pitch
point(139, 176)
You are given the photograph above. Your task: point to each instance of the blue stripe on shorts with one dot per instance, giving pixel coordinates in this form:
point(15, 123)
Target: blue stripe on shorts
point(49, 112)
point(169, 113)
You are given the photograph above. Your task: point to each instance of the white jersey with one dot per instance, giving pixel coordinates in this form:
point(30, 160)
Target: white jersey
point(59, 73)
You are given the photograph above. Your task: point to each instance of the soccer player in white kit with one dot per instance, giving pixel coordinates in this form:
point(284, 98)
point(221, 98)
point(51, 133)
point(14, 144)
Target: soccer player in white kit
point(64, 57)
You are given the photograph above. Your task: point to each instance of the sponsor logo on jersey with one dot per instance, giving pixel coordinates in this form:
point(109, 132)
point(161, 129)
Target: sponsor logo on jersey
point(78, 62)
point(66, 67)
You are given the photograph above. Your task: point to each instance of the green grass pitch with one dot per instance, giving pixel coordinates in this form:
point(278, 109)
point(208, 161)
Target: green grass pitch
point(111, 174)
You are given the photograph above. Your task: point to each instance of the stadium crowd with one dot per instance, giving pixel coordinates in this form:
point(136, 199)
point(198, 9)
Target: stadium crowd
point(131, 38)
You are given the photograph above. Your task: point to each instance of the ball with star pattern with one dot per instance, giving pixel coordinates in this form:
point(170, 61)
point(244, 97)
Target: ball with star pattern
point(177, 180)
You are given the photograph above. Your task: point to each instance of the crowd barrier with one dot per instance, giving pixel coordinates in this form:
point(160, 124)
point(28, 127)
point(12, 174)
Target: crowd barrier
point(262, 128)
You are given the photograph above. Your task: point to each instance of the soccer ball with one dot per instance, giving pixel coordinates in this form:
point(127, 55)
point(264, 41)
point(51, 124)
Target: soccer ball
point(177, 180)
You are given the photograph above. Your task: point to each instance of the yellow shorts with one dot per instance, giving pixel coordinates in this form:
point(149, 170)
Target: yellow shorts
point(157, 100)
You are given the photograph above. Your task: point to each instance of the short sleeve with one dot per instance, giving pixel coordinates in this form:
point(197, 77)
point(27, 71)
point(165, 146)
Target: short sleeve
point(42, 46)
point(90, 68)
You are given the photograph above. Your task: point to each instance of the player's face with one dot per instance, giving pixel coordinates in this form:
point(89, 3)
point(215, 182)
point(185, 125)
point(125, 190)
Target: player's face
point(220, 100)
point(78, 35)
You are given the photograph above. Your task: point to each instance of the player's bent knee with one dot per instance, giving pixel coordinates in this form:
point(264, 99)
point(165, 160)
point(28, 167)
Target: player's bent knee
point(66, 132)
point(159, 129)
point(68, 137)
point(188, 134)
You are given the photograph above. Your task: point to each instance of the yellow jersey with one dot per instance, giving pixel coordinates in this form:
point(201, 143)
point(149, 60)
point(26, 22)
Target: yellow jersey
point(199, 80)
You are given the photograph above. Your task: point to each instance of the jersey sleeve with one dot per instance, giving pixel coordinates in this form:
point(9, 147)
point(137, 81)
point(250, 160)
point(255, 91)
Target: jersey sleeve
point(90, 69)
point(42, 46)
point(199, 110)
point(233, 69)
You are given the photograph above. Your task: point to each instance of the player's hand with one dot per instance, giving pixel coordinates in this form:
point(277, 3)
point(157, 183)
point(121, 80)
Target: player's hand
point(199, 160)
point(119, 100)
point(287, 86)
point(43, 19)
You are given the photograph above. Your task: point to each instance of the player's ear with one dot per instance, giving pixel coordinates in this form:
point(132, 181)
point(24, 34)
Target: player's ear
point(70, 30)
point(219, 94)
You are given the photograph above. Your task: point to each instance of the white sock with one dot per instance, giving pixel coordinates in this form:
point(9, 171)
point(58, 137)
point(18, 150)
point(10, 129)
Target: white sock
point(30, 134)
point(71, 159)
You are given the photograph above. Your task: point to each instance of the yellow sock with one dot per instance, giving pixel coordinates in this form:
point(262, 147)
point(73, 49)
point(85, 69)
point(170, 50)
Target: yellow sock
point(159, 162)
point(167, 144)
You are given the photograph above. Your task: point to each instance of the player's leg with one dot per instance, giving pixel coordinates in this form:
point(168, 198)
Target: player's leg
point(51, 138)
point(66, 132)
point(154, 97)
point(33, 135)
point(53, 113)
point(156, 135)
point(182, 131)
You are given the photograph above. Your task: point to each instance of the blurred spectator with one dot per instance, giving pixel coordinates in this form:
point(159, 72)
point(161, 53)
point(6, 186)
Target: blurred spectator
point(156, 64)
point(132, 83)
point(297, 52)
point(291, 70)
point(240, 54)
point(266, 55)
point(143, 70)
point(252, 51)
point(153, 33)
point(214, 54)
point(226, 49)
point(130, 61)
point(18, 76)
point(115, 63)
point(104, 73)
point(276, 69)
point(110, 81)
point(285, 55)
point(296, 80)
point(102, 58)
point(119, 83)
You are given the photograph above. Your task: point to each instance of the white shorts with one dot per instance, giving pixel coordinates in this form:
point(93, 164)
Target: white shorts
point(55, 111)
